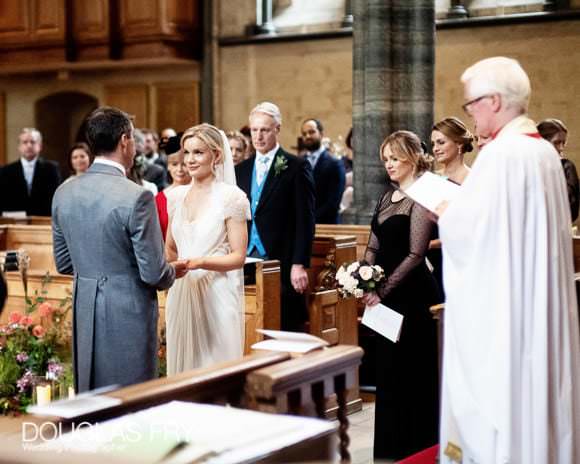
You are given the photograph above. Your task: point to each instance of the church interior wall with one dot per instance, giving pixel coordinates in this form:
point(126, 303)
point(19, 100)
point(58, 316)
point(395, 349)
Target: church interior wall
point(22, 92)
point(314, 77)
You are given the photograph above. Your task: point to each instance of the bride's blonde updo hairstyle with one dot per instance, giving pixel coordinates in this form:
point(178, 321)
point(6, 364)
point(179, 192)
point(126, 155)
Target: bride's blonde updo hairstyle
point(407, 146)
point(211, 136)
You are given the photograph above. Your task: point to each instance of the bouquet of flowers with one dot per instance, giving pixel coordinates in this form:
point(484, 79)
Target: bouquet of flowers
point(33, 345)
point(356, 279)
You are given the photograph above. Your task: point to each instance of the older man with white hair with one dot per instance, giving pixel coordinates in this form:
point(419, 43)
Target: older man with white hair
point(280, 187)
point(511, 350)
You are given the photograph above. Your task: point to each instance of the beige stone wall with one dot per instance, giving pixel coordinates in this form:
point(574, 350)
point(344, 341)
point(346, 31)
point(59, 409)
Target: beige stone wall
point(306, 79)
point(314, 78)
point(549, 52)
point(22, 92)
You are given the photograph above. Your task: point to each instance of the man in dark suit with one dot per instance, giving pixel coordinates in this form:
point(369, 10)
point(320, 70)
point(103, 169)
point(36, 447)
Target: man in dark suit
point(29, 183)
point(281, 192)
point(150, 163)
point(328, 173)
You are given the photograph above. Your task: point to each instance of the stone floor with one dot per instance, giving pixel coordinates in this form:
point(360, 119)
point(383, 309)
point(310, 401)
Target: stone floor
point(361, 432)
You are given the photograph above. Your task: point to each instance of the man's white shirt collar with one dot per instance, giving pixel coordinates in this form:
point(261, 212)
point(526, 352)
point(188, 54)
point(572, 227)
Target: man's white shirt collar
point(28, 164)
point(271, 153)
point(108, 162)
point(314, 155)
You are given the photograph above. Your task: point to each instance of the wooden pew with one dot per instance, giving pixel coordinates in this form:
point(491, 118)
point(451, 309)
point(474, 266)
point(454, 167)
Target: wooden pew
point(304, 385)
point(360, 232)
point(331, 317)
point(262, 299)
point(299, 386)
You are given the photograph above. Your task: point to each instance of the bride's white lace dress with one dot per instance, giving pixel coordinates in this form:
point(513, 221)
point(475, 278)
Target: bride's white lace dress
point(205, 309)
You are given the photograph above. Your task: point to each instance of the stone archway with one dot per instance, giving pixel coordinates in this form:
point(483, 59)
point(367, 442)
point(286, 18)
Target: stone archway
point(59, 117)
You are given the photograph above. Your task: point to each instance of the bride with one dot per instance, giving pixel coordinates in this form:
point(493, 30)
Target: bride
point(205, 309)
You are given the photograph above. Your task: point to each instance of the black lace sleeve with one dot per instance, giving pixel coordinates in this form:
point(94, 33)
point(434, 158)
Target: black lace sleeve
point(373, 243)
point(573, 187)
point(420, 233)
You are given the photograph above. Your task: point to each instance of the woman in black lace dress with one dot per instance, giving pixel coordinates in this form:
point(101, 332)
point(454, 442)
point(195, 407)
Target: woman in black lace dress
point(555, 132)
point(407, 406)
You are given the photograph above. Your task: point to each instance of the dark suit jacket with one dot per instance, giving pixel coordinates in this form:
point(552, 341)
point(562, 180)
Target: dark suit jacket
point(285, 214)
point(156, 174)
point(329, 184)
point(14, 193)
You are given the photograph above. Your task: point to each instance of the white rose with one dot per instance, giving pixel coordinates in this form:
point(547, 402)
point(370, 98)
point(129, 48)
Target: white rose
point(352, 267)
point(366, 272)
point(358, 293)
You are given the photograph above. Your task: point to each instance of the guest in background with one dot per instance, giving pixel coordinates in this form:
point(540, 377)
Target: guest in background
point(281, 192)
point(238, 145)
point(450, 140)
point(150, 176)
point(154, 164)
point(407, 398)
point(328, 173)
point(79, 159)
point(245, 131)
point(347, 159)
point(166, 134)
point(177, 175)
point(29, 183)
point(555, 132)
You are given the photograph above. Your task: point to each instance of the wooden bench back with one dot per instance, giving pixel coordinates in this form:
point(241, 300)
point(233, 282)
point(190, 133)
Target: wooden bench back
point(360, 232)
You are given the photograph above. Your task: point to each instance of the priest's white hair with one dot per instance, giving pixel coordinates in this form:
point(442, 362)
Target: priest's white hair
point(270, 109)
point(499, 75)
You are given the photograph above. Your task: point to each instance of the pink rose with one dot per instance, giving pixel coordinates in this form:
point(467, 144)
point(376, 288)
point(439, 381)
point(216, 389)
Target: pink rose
point(15, 317)
point(38, 331)
point(45, 309)
point(26, 320)
point(365, 272)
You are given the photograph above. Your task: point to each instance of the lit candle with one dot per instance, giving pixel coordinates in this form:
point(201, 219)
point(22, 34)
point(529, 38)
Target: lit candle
point(71, 392)
point(42, 395)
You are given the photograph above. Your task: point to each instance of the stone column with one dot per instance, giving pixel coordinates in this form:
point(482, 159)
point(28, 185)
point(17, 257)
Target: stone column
point(393, 65)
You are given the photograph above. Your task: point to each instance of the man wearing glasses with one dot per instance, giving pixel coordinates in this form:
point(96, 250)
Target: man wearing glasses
point(512, 354)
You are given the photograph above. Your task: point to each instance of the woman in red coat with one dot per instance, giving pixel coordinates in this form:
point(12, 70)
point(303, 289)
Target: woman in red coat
point(177, 175)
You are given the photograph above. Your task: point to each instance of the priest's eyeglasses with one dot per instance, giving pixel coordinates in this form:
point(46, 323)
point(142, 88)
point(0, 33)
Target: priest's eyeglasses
point(467, 106)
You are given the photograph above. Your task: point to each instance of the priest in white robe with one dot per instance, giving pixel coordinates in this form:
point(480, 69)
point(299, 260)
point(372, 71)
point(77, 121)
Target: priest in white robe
point(511, 367)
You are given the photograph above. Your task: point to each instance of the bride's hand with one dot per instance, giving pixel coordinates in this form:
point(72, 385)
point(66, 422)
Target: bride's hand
point(180, 268)
point(194, 263)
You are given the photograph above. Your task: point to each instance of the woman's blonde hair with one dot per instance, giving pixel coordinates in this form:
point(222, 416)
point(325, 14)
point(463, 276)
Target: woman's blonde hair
point(408, 146)
point(211, 136)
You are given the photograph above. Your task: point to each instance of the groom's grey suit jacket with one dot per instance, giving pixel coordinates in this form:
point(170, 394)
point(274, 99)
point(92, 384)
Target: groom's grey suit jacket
point(106, 232)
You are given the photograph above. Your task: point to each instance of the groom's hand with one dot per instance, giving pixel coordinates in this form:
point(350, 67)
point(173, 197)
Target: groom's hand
point(180, 268)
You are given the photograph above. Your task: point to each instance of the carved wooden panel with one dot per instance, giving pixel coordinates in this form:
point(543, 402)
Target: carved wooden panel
point(159, 28)
point(91, 20)
point(48, 19)
point(131, 98)
point(178, 105)
point(91, 29)
point(2, 129)
point(32, 31)
point(14, 21)
point(141, 17)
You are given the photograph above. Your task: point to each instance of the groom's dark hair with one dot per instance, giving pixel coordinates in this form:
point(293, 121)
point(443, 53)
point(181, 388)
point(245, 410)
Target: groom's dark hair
point(104, 129)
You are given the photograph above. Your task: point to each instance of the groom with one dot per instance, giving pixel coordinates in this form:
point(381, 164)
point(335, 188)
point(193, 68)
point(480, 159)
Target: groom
point(106, 232)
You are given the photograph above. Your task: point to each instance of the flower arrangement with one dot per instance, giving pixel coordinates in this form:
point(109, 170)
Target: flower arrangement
point(34, 345)
point(357, 278)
